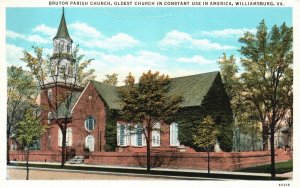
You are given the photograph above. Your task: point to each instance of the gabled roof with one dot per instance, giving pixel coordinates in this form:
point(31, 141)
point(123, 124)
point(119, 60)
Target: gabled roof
point(62, 31)
point(63, 111)
point(192, 88)
point(109, 94)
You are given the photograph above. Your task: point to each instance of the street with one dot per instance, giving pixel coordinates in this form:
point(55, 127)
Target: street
point(50, 174)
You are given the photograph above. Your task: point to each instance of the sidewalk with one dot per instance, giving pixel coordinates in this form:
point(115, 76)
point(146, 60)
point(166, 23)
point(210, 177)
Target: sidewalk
point(161, 171)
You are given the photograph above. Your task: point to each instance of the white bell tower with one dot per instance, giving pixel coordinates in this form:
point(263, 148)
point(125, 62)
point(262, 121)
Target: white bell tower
point(62, 61)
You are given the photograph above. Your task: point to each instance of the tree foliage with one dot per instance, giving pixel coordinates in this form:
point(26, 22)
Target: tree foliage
point(29, 130)
point(21, 93)
point(205, 136)
point(111, 79)
point(148, 103)
point(268, 76)
point(215, 104)
point(111, 130)
point(244, 113)
point(48, 72)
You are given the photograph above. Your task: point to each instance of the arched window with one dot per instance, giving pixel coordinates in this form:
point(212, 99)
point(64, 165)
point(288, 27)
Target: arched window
point(49, 117)
point(174, 134)
point(62, 69)
point(156, 135)
point(90, 143)
point(61, 47)
point(50, 96)
point(70, 70)
point(69, 48)
point(68, 137)
point(90, 123)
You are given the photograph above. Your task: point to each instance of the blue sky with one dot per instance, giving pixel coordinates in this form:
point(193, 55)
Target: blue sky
point(174, 41)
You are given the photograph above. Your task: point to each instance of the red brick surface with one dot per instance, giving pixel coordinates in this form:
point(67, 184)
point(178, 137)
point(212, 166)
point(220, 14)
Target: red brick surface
point(89, 104)
point(198, 160)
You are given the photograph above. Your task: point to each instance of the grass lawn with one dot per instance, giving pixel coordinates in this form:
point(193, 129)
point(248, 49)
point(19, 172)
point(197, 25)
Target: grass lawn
point(281, 167)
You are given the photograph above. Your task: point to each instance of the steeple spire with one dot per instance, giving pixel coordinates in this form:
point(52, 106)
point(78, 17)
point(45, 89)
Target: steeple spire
point(62, 31)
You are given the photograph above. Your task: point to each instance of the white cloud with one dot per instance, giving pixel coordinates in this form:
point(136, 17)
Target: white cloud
point(37, 39)
point(179, 39)
point(83, 34)
point(14, 35)
point(136, 63)
point(84, 30)
point(197, 59)
point(13, 55)
point(141, 58)
point(47, 51)
point(176, 38)
point(30, 38)
point(46, 30)
point(89, 36)
point(120, 41)
point(228, 33)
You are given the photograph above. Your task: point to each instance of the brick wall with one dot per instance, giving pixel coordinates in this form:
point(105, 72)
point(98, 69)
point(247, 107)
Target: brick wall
point(198, 160)
point(41, 156)
point(90, 104)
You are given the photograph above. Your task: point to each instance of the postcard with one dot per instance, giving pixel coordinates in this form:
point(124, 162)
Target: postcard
point(150, 91)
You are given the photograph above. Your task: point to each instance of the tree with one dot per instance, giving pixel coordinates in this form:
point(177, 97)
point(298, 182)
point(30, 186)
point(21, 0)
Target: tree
point(216, 104)
point(111, 79)
point(244, 118)
point(65, 80)
point(268, 76)
point(205, 137)
point(148, 103)
point(21, 90)
point(28, 131)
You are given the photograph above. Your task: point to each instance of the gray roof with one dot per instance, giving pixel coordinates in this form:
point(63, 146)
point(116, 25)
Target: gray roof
point(63, 111)
point(109, 94)
point(192, 88)
point(62, 31)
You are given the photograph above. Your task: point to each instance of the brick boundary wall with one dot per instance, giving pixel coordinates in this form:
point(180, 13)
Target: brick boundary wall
point(218, 161)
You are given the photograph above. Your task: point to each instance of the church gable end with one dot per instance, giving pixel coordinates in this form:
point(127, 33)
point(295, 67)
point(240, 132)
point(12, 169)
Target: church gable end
point(216, 104)
point(88, 119)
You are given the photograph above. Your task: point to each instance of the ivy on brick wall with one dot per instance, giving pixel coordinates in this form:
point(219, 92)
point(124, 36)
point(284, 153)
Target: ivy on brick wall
point(111, 130)
point(215, 104)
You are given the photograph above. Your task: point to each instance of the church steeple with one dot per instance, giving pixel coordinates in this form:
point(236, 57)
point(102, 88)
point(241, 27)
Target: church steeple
point(62, 60)
point(62, 31)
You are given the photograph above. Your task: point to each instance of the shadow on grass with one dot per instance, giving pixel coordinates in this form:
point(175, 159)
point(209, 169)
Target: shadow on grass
point(281, 168)
point(153, 172)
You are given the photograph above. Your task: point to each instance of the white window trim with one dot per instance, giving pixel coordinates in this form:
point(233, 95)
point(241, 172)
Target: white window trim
point(50, 94)
point(85, 126)
point(49, 117)
point(69, 137)
point(86, 143)
point(119, 135)
point(155, 140)
point(174, 134)
point(136, 137)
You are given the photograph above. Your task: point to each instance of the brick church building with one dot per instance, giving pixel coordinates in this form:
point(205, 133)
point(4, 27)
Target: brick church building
point(92, 122)
point(90, 104)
